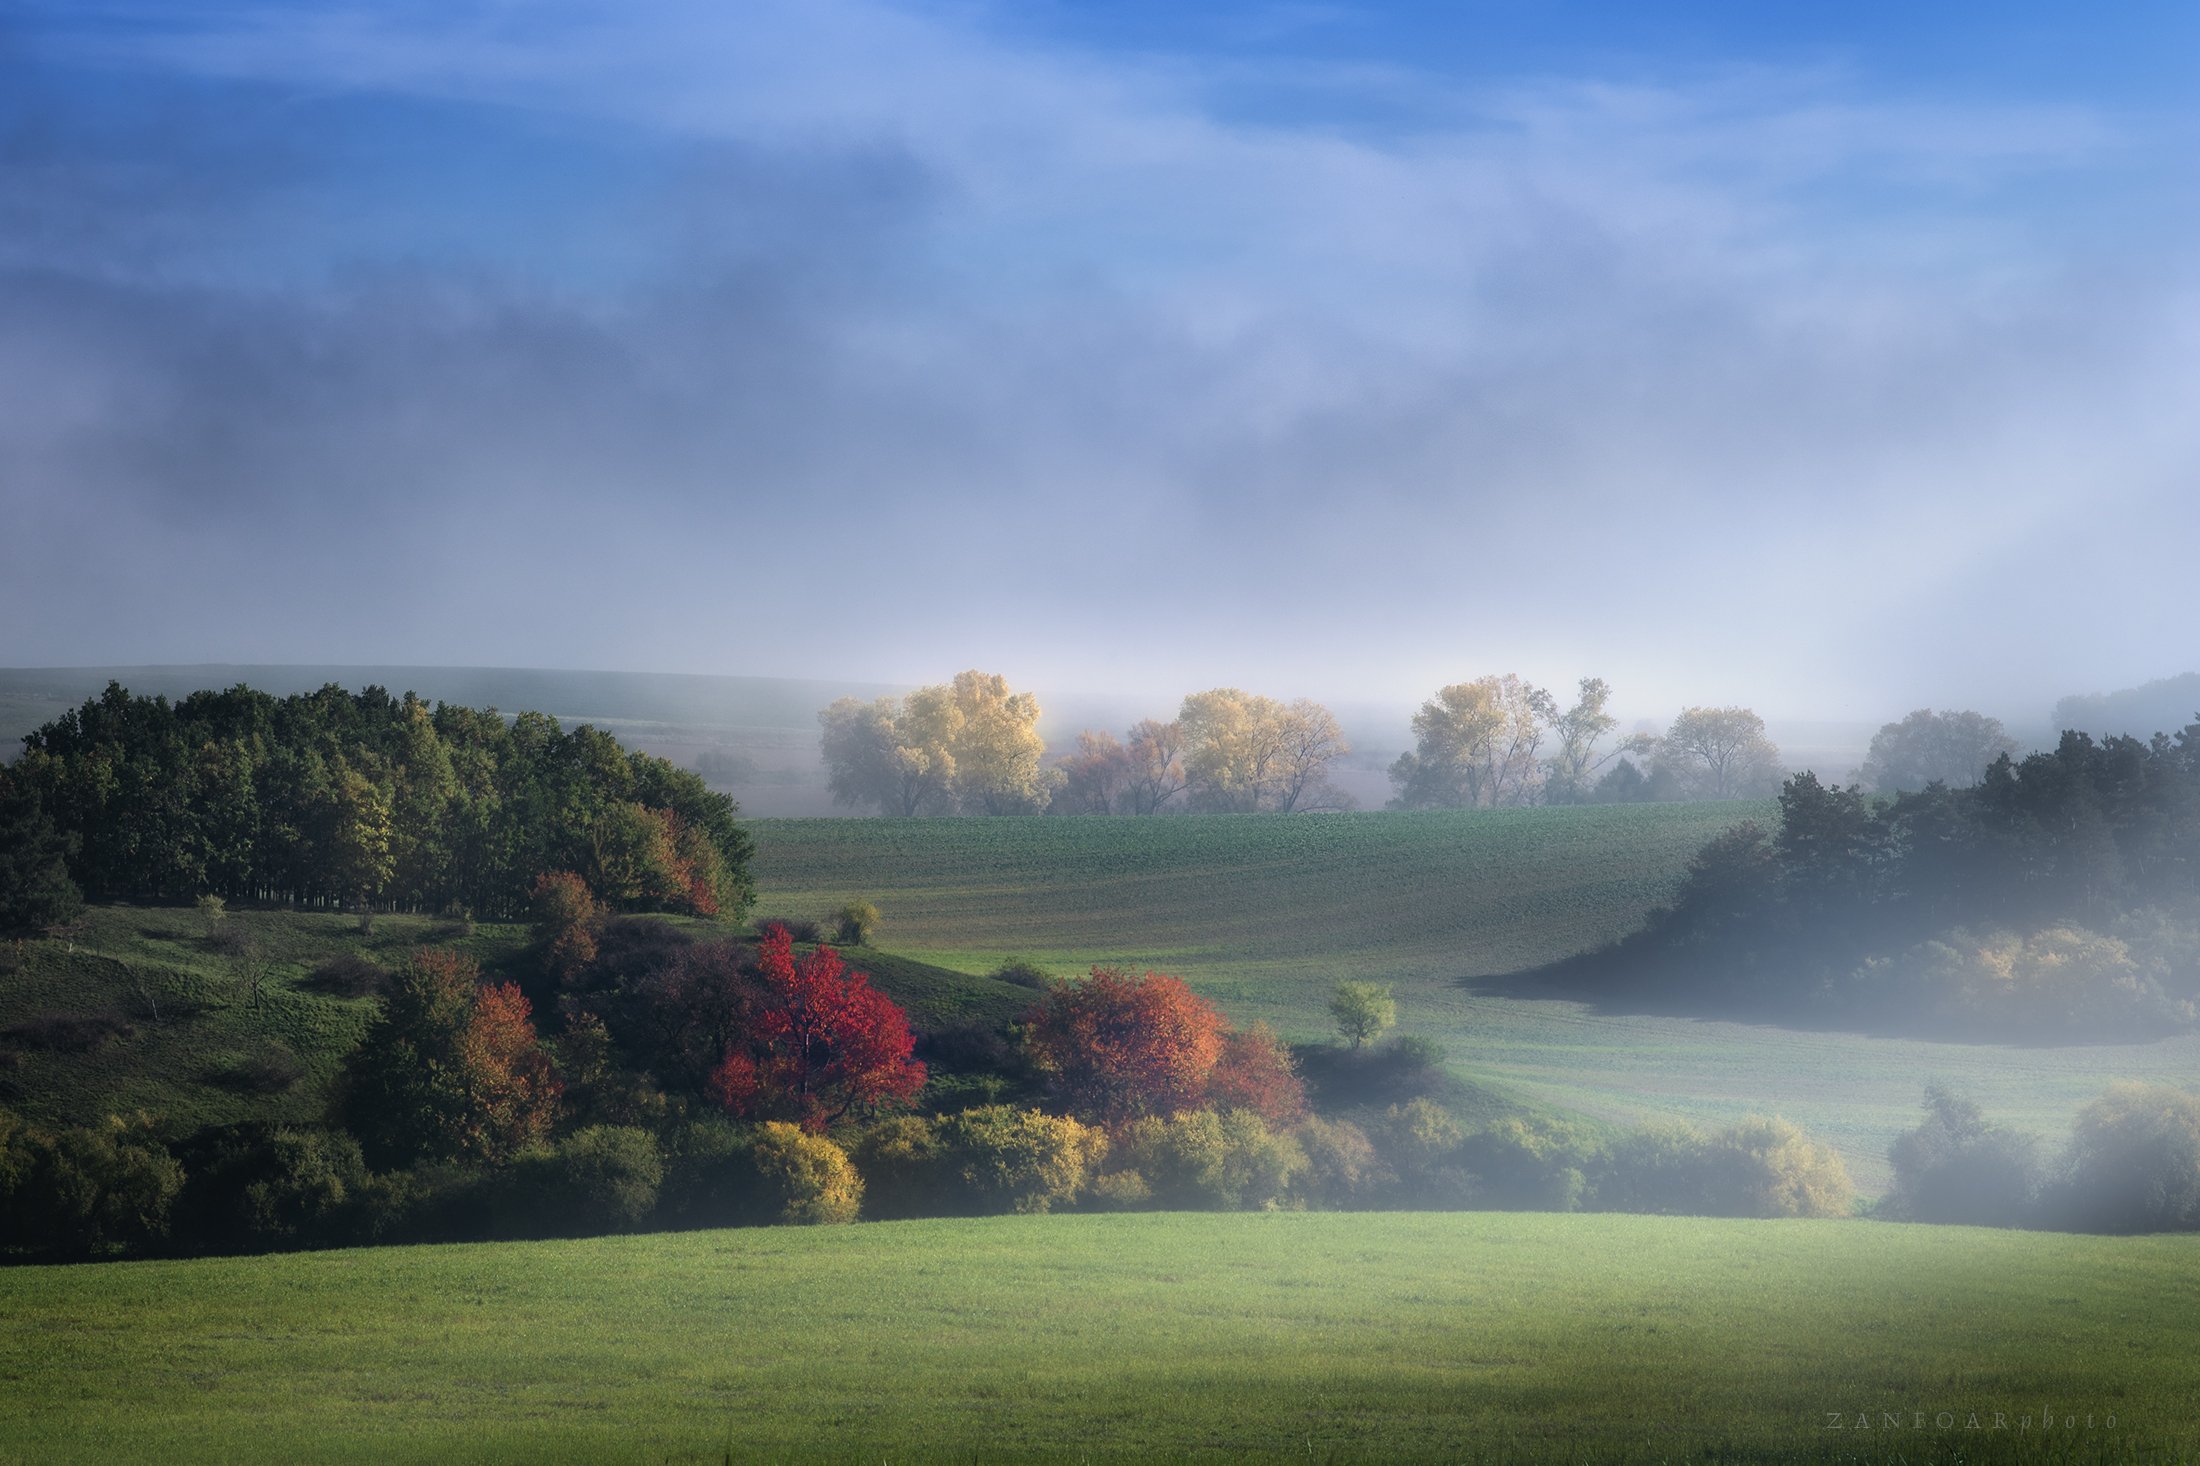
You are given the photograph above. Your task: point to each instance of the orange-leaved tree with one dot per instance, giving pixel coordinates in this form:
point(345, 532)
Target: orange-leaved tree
point(822, 1043)
point(1116, 1046)
point(1255, 1073)
point(566, 914)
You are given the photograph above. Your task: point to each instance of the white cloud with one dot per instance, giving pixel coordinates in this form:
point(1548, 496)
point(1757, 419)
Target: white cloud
point(1556, 374)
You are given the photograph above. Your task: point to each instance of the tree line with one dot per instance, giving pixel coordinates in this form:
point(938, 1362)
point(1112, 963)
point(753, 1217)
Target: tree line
point(2054, 899)
point(972, 746)
point(357, 800)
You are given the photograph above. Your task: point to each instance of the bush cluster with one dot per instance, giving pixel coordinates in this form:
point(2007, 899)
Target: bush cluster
point(2132, 1165)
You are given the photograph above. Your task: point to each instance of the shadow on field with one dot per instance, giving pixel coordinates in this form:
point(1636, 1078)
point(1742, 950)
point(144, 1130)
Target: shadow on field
point(1611, 983)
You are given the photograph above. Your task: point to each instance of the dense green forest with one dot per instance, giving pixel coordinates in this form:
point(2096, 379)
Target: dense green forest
point(2057, 898)
point(361, 800)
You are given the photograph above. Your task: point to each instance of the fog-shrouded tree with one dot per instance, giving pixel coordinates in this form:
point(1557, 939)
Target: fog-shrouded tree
point(1245, 753)
point(1719, 753)
point(1475, 746)
point(891, 754)
point(1095, 778)
point(996, 746)
point(1928, 747)
point(970, 745)
point(1581, 757)
point(1154, 753)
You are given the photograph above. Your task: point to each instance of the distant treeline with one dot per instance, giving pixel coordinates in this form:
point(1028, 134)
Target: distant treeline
point(362, 800)
point(2056, 898)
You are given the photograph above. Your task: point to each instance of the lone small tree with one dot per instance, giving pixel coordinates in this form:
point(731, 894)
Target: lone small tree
point(1362, 1010)
point(855, 923)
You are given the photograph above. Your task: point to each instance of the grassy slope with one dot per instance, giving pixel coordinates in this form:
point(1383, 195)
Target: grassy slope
point(132, 958)
point(1390, 1338)
point(1265, 913)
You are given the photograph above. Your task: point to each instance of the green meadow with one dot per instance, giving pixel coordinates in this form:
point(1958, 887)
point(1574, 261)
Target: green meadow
point(1327, 1337)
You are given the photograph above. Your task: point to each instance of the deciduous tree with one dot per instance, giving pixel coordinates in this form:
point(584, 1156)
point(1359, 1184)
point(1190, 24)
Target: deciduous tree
point(1115, 1045)
point(1095, 779)
point(971, 744)
point(821, 1043)
point(1362, 1010)
point(1928, 747)
point(1720, 753)
point(1245, 753)
point(1154, 752)
point(1582, 756)
point(1255, 1072)
point(1475, 746)
point(450, 1069)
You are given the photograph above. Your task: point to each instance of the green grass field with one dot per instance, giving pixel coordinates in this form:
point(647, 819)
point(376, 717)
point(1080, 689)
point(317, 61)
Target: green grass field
point(1265, 913)
point(1396, 1337)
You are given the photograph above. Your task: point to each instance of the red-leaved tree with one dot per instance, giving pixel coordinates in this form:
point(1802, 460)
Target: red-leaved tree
point(1115, 1046)
point(822, 1043)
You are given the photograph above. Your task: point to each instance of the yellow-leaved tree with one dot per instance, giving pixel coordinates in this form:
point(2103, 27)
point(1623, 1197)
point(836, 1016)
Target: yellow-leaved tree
point(969, 745)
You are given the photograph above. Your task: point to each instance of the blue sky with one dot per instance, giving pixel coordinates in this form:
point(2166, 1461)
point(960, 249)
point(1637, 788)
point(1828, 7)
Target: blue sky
point(1831, 359)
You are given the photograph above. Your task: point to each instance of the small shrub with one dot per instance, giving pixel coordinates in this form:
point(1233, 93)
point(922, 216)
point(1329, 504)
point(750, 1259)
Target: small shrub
point(349, 976)
point(855, 923)
point(68, 1033)
point(1396, 1071)
point(88, 1191)
point(803, 1178)
point(899, 1158)
point(605, 1178)
point(1024, 973)
point(796, 928)
point(1419, 1142)
point(1342, 1168)
point(251, 1187)
point(435, 1201)
point(273, 1070)
point(1770, 1168)
point(722, 1174)
point(211, 908)
point(230, 939)
point(1000, 1159)
point(1119, 1191)
point(1530, 1164)
point(2134, 1163)
point(1957, 1168)
point(1201, 1160)
point(1664, 1170)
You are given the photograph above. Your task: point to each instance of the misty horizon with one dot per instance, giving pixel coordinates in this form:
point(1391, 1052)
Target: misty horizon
point(1835, 369)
